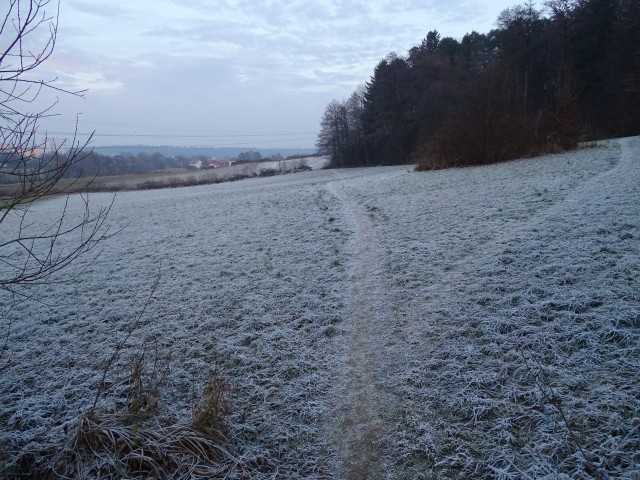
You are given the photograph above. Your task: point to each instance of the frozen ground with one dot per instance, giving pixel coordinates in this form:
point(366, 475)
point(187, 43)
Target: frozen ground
point(372, 323)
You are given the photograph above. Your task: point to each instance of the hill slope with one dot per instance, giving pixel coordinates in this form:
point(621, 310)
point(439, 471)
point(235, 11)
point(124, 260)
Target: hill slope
point(379, 323)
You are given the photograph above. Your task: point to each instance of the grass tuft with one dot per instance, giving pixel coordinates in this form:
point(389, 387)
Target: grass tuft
point(102, 447)
point(209, 416)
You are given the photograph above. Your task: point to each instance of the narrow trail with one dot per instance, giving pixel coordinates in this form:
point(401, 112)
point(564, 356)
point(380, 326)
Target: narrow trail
point(359, 418)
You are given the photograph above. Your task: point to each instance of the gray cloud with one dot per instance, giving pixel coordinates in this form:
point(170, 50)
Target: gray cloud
point(237, 65)
point(105, 10)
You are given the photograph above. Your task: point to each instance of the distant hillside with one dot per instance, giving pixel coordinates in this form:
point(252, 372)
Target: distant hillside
point(212, 152)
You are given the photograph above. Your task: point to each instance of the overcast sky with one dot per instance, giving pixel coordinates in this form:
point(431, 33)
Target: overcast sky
point(232, 72)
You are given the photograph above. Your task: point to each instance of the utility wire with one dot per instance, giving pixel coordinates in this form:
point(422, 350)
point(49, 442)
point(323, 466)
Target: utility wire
point(160, 135)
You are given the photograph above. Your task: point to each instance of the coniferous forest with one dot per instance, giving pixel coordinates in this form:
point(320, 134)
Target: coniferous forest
point(546, 78)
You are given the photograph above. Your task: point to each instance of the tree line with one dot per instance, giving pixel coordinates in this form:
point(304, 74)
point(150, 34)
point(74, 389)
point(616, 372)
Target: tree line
point(541, 81)
point(88, 163)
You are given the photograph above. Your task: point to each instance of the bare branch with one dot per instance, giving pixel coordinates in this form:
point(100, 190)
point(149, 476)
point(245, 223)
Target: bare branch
point(33, 167)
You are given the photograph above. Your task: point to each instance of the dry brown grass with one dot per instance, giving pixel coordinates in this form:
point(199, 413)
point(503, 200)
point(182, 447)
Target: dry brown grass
point(142, 441)
point(209, 416)
point(101, 447)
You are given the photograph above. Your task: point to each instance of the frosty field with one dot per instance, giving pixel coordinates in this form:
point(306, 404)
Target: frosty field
point(370, 323)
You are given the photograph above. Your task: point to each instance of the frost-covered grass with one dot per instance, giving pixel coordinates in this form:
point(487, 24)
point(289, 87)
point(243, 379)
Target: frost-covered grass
point(486, 320)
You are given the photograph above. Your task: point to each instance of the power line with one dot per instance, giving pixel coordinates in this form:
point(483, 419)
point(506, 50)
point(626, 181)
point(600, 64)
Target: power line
point(173, 135)
point(219, 146)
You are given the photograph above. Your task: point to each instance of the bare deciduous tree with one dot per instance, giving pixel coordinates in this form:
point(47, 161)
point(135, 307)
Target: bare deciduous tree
point(32, 166)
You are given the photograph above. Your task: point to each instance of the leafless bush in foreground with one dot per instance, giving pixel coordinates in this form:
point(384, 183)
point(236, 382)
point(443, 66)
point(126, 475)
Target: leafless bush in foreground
point(32, 166)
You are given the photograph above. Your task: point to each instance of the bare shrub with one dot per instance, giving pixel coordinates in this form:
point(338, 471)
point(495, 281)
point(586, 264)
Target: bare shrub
point(300, 164)
point(268, 172)
point(250, 169)
point(32, 166)
point(144, 385)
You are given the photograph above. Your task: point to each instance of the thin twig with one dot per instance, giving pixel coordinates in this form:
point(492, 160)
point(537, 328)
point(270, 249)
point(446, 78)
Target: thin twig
point(120, 345)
